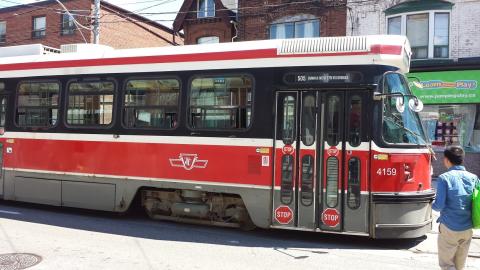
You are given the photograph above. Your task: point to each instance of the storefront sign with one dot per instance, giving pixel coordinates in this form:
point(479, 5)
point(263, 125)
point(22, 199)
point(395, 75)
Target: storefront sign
point(442, 87)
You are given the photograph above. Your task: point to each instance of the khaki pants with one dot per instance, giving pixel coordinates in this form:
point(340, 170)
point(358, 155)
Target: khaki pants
point(453, 248)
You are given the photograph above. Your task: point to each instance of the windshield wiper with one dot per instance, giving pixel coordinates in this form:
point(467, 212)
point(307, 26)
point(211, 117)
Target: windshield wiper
point(392, 120)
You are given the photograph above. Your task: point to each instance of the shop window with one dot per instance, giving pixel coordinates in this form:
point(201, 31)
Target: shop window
point(424, 43)
point(68, 24)
point(206, 8)
point(151, 103)
point(477, 119)
point(222, 102)
point(3, 32)
point(300, 26)
point(90, 103)
point(452, 125)
point(37, 104)
point(39, 27)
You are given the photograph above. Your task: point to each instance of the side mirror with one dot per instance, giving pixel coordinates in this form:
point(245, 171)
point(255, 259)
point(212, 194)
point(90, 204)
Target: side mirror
point(415, 105)
point(400, 104)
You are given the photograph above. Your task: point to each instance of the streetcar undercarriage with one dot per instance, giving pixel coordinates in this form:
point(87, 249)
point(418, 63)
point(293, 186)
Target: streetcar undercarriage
point(192, 206)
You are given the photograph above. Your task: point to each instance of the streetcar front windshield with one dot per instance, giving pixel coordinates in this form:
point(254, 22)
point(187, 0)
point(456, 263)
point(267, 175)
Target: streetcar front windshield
point(399, 127)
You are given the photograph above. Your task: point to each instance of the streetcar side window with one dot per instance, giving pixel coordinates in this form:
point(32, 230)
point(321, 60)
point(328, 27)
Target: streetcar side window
point(151, 103)
point(3, 104)
point(221, 102)
point(306, 194)
point(353, 192)
point(355, 121)
point(90, 103)
point(333, 120)
point(288, 120)
point(308, 119)
point(286, 189)
point(332, 182)
point(37, 104)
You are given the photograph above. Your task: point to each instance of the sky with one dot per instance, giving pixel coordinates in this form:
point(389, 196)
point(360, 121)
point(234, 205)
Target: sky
point(168, 8)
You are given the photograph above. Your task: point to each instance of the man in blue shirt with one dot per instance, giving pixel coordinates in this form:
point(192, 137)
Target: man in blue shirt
point(454, 201)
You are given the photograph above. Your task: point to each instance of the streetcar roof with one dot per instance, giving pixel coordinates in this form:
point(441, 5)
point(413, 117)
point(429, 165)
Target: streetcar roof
point(327, 51)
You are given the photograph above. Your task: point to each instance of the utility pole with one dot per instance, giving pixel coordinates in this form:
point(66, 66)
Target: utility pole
point(96, 22)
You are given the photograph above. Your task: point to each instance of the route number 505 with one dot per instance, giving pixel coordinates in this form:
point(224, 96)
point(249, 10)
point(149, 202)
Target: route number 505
point(387, 171)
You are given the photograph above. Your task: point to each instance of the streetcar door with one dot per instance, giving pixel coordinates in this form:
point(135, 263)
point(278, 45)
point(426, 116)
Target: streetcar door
point(294, 200)
point(356, 157)
point(344, 197)
point(321, 155)
point(3, 106)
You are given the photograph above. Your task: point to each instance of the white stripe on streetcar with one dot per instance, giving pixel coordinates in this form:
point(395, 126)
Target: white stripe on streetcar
point(141, 139)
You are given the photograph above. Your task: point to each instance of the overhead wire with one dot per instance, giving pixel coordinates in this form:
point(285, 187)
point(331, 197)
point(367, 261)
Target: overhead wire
point(258, 13)
point(263, 8)
point(32, 5)
point(75, 22)
point(156, 5)
point(136, 2)
point(137, 12)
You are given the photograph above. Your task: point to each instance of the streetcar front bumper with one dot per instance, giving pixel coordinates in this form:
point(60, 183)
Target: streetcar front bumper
point(401, 215)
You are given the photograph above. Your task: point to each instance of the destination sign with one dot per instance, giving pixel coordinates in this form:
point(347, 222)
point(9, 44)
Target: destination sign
point(323, 77)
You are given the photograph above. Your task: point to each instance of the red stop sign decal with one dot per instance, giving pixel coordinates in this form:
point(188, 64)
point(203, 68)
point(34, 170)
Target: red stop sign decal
point(331, 217)
point(288, 149)
point(283, 214)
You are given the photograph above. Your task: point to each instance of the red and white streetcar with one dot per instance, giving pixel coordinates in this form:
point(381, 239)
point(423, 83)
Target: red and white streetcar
point(316, 134)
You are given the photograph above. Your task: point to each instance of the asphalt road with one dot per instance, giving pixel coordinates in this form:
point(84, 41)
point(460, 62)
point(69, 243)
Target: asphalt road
point(78, 239)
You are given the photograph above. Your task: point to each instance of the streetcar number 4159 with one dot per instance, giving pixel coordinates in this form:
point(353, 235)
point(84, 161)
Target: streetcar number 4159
point(387, 171)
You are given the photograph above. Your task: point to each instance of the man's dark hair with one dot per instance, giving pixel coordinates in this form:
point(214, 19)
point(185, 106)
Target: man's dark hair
point(454, 154)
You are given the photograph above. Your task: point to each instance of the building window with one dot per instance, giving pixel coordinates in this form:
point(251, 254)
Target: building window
point(395, 26)
point(3, 32)
point(440, 38)
point(428, 32)
point(221, 102)
point(37, 104)
point(68, 24)
point(39, 27)
point(417, 33)
point(208, 40)
point(206, 8)
point(152, 103)
point(300, 26)
point(90, 103)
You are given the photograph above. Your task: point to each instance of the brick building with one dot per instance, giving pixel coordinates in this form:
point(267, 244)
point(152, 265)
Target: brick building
point(47, 23)
point(445, 40)
point(209, 21)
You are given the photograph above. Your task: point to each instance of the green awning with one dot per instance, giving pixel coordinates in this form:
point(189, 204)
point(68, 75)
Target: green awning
point(412, 6)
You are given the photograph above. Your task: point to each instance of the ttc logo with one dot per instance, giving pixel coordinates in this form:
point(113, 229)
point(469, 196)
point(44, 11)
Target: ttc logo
point(188, 162)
